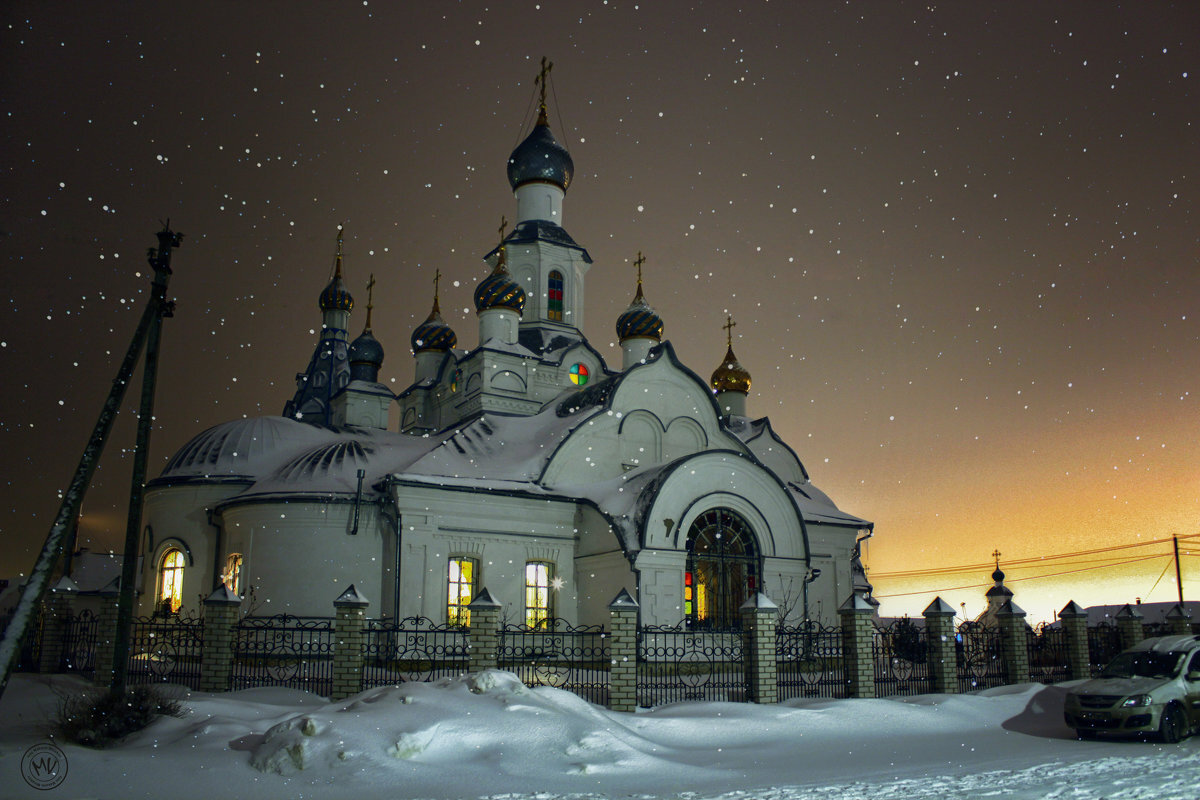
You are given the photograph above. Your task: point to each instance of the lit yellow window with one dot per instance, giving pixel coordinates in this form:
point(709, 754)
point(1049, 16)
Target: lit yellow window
point(232, 577)
point(170, 581)
point(539, 602)
point(461, 581)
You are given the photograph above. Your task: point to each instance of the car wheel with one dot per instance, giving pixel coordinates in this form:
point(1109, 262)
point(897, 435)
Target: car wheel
point(1084, 734)
point(1172, 727)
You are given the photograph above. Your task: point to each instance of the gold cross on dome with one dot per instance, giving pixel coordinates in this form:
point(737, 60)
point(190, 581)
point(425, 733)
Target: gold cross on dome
point(996, 555)
point(437, 282)
point(729, 326)
point(503, 227)
point(637, 262)
point(540, 81)
point(370, 299)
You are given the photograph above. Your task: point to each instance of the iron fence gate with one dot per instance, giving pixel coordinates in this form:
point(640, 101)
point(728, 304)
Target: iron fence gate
point(284, 650)
point(556, 653)
point(1048, 662)
point(675, 663)
point(79, 643)
point(412, 649)
point(980, 652)
point(165, 650)
point(808, 661)
point(900, 652)
point(1104, 642)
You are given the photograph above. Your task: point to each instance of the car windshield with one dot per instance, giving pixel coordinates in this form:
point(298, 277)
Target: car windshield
point(1143, 664)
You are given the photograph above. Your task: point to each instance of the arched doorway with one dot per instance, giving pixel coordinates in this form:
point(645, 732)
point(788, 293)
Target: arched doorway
point(722, 569)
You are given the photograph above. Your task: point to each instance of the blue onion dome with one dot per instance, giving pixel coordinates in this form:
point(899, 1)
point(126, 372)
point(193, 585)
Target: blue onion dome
point(731, 376)
point(366, 349)
point(499, 290)
point(639, 321)
point(433, 334)
point(540, 158)
point(336, 297)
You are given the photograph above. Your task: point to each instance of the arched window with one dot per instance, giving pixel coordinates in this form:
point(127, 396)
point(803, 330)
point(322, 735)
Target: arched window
point(554, 296)
point(232, 576)
point(722, 569)
point(539, 602)
point(170, 581)
point(460, 578)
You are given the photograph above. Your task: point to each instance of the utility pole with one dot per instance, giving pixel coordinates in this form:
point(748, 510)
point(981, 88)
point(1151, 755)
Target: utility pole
point(68, 510)
point(160, 261)
point(1178, 574)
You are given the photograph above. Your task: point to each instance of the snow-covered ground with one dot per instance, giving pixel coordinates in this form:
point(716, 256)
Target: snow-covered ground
point(489, 736)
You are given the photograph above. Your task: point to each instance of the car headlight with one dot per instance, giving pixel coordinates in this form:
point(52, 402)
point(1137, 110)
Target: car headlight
point(1133, 701)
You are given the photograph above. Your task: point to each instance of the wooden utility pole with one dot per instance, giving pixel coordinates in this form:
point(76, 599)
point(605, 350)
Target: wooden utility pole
point(39, 576)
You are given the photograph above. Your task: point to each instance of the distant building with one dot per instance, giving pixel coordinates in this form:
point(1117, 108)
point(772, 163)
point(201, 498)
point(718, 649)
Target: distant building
point(525, 464)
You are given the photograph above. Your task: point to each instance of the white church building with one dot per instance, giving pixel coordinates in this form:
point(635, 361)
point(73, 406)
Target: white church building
point(525, 464)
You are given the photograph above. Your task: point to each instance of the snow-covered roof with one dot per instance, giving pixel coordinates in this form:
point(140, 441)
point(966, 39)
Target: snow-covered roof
point(816, 507)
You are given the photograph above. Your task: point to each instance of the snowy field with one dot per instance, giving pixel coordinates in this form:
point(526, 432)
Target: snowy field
point(489, 736)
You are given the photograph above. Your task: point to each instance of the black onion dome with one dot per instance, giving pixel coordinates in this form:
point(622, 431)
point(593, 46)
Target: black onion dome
point(540, 158)
point(433, 334)
point(366, 349)
point(998, 575)
point(336, 297)
point(639, 321)
point(499, 290)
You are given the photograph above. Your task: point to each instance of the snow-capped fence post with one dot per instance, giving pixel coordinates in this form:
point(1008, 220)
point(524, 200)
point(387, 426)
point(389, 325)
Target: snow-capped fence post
point(857, 645)
point(106, 634)
point(1179, 620)
point(759, 618)
point(58, 607)
point(221, 610)
point(1074, 622)
point(1129, 626)
point(1014, 642)
point(349, 642)
point(943, 646)
point(483, 638)
point(622, 649)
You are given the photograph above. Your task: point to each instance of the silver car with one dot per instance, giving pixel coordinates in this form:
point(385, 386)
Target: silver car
point(1153, 687)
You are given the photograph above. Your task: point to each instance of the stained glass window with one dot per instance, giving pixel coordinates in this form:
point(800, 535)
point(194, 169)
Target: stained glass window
point(170, 581)
point(554, 296)
point(722, 569)
point(579, 374)
point(232, 576)
point(539, 602)
point(461, 580)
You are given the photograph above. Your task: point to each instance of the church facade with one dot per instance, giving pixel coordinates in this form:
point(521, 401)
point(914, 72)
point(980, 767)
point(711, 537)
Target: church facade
point(526, 465)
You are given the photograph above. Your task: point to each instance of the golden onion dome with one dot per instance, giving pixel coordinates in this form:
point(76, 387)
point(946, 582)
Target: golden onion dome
point(731, 376)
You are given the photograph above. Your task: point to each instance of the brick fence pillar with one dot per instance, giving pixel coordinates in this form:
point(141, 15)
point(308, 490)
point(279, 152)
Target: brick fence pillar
point(221, 609)
point(622, 649)
point(349, 639)
point(1178, 618)
point(1014, 642)
point(1129, 626)
point(1074, 622)
point(759, 618)
point(483, 638)
point(57, 609)
point(106, 635)
point(857, 646)
point(943, 650)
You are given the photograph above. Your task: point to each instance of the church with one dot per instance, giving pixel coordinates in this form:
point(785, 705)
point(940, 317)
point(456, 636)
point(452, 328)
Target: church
point(525, 464)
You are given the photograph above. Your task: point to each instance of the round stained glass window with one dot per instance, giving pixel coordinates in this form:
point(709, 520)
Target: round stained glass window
point(579, 374)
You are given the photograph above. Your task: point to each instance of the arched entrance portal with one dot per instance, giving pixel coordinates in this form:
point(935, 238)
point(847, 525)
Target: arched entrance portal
point(722, 569)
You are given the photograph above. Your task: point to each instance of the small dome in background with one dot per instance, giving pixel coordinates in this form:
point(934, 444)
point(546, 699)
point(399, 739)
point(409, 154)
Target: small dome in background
point(366, 349)
point(433, 334)
point(499, 290)
point(336, 297)
point(731, 376)
point(639, 321)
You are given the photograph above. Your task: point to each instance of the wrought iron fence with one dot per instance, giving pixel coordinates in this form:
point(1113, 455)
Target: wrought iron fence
point(1104, 642)
point(901, 655)
point(676, 663)
point(166, 650)
point(412, 649)
point(284, 650)
point(1048, 661)
point(556, 653)
point(808, 661)
point(79, 643)
point(980, 655)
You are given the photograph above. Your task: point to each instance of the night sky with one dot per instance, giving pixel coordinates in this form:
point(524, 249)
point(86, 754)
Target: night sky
point(959, 241)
